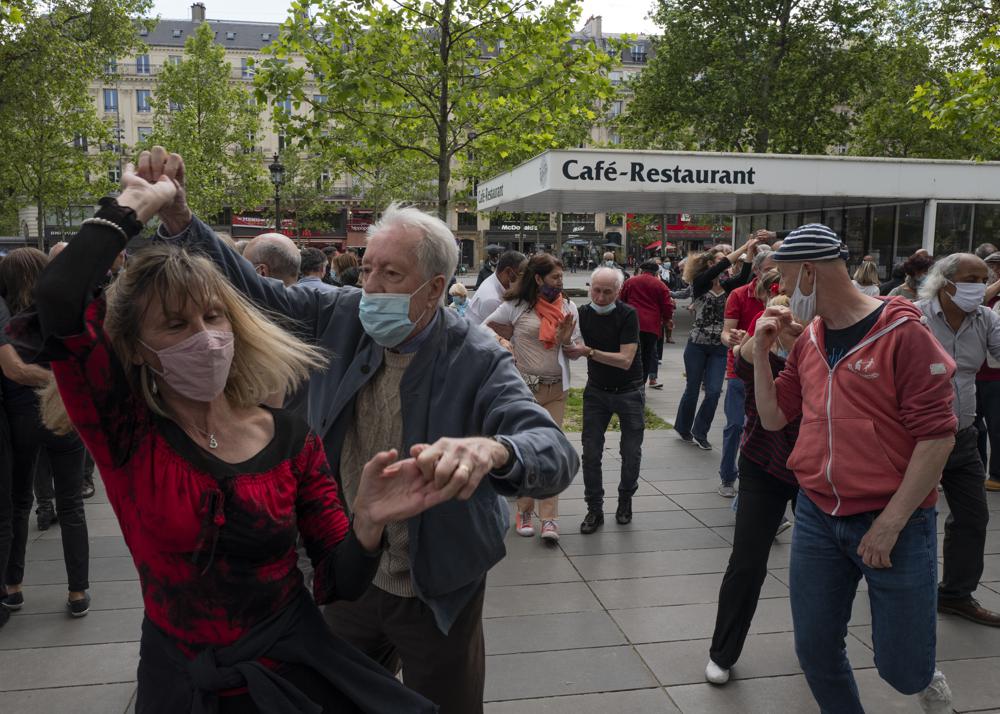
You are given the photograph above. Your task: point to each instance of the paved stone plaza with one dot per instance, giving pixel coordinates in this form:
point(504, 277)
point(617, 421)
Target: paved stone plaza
point(615, 622)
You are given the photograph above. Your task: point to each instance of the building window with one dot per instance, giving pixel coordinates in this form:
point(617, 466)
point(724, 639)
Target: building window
point(142, 64)
point(174, 60)
point(615, 77)
point(145, 132)
point(266, 36)
point(286, 105)
point(80, 142)
point(143, 31)
point(111, 67)
point(230, 35)
point(501, 46)
point(174, 106)
point(177, 33)
point(246, 67)
point(282, 142)
point(110, 100)
point(614, 138)
point(953, 231)
point(319, 99)
point(616, 108)
point(639, 54)
point(142, 100)
point(115, 174)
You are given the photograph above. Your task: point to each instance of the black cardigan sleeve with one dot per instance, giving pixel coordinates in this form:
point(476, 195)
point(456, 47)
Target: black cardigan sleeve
point(70, 281)
point(730, 284)
point(703, 283)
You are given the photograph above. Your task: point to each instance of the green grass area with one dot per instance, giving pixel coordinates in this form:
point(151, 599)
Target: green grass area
point(574, 415)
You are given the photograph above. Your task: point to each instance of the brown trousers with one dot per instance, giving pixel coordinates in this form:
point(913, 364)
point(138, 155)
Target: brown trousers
point(450, 670)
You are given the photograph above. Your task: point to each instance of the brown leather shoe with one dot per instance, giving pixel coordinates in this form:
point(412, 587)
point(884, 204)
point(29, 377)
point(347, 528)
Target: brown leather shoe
point(992, 485)
point(969, 609)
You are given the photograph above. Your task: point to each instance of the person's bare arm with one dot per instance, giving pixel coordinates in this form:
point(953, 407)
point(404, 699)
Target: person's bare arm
point(621, 359)
point(992, 291)
point(16, 370)
point(922, 475)
point(765, 392)
point(505, 331)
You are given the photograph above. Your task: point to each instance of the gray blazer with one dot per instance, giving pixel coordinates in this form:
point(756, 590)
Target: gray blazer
point(461, 383)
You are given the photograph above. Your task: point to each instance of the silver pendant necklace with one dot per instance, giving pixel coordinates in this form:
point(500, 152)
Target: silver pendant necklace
point(212, 443)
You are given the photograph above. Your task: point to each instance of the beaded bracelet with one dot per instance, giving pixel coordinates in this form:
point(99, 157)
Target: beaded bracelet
point(105, 222)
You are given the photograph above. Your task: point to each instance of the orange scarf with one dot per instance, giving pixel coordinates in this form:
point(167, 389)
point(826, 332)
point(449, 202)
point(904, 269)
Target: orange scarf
point(550, 314)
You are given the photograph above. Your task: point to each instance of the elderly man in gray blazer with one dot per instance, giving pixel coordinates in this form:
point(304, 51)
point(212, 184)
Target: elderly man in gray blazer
point(406, 373)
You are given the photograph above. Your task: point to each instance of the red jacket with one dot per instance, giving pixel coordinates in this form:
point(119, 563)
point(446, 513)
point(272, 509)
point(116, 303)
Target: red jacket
point(862, 418)
point(651, 299)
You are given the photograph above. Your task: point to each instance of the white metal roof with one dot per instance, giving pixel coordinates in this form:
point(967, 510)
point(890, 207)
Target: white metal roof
point(598, 180)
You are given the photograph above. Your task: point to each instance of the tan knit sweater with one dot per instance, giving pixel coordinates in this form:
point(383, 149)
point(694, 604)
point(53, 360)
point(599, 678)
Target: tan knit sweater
point(378, 426)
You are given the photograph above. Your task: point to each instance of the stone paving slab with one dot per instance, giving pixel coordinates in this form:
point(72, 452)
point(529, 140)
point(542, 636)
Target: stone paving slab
point(670, 590)
point(551, 632)
point(96, 699)
point(637, 701)
point(509, 600)
point(68, 666)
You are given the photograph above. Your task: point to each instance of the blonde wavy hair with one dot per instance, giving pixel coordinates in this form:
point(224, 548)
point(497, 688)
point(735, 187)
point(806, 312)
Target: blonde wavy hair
point(698, 263)
point(266, 358)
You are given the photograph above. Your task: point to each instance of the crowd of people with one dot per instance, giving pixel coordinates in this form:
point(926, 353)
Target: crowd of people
point(246, 404)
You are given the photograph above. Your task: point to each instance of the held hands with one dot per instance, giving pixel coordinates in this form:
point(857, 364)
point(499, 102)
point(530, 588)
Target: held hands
point(145, 197)
point(735, 337)
point(576, 351)
point(775, 319)
point(158, 163)
point(455, 467)
point(392, 490)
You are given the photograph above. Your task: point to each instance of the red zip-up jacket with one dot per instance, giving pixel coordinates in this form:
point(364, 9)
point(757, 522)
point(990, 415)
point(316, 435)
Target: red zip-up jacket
point(862, 418)
point(651, 299)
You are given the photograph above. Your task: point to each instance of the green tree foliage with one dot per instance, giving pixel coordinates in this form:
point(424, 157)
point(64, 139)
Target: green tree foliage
point(966, 102)
point(769, 75)
point(51, 130)
point(472, 85)
point(202, 114)
point(883, 122)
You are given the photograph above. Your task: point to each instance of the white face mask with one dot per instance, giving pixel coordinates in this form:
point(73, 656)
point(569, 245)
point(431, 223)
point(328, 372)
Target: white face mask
point(803, 306)
point(968, 296)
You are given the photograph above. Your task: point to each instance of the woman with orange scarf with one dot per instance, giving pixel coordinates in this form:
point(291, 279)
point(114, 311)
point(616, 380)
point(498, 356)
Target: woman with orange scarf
point(539, 321)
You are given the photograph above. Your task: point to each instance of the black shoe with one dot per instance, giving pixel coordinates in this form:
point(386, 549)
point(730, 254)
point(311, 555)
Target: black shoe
point(624, 513)
point(591, 522)
point(702, 443)
point(78, 608)
point(685, 437)
point(13, 601)
point(88, 489)
point(46, 517)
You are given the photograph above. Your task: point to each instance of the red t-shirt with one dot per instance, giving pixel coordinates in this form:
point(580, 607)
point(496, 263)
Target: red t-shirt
point(987, 373)
point(742, 306)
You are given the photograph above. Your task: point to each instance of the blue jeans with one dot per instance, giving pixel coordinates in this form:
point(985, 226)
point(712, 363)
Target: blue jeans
point(704, 364)
point(735, 417)
point(825, 571)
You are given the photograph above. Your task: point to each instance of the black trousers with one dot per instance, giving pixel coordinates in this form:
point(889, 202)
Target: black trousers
point(6, 498)
point(450, 670)
point(759, 512)
point(65, 454)
point(647, 348)
point(965, 528)
point(598, 408)
point(988, 411)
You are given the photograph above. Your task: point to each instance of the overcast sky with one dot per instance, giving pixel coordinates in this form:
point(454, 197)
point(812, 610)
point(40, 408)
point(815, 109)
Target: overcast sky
point(619, 15)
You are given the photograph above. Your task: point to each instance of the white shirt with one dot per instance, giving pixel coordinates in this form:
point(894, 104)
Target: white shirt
point(485, 300)
point(510, 311)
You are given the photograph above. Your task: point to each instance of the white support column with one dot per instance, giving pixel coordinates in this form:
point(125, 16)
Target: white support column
point(930, 222)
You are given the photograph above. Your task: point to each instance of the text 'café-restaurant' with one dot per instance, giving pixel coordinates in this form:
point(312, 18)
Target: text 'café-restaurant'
point(886, 208)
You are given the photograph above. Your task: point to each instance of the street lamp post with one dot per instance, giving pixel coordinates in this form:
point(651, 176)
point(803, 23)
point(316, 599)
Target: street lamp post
point(277, 178)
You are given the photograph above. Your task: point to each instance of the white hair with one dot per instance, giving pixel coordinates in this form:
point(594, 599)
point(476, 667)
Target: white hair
point(437, 252)
point(619, 278)
point(940, 273)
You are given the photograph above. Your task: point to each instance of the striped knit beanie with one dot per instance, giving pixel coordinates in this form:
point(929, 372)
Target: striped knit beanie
point(811, 242)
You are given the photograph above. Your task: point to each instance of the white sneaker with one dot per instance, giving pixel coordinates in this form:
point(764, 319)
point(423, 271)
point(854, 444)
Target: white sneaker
point(714, 674)
point(936, 699)
point(523, 524)
point(550, 531)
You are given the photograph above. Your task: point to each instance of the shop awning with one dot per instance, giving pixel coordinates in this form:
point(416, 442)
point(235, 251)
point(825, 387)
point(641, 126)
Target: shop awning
point(596, 180)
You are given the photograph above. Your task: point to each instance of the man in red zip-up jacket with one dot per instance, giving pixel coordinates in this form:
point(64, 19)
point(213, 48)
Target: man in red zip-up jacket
point(873, 388)
point(651, 299)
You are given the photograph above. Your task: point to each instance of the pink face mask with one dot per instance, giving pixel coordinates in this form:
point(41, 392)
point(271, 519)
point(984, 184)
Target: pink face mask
point(198, 367)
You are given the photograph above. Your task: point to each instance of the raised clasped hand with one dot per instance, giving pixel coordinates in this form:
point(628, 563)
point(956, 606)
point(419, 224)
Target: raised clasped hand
point(145, 197)
point(157, 163)
point(773, 321)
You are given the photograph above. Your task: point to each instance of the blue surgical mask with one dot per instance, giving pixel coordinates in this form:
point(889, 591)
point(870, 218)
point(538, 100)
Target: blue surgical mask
point(549, 292)
point(602, 309)
point(386, 316)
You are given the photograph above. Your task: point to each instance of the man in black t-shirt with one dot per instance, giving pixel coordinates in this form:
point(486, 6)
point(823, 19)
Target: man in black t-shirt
point(610, 332)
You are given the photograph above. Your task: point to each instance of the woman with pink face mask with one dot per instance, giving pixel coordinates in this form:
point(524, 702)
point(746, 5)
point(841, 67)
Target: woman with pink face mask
point(163, 378)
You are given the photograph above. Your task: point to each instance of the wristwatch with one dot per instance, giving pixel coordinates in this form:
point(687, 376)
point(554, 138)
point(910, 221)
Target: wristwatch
point(511, 457)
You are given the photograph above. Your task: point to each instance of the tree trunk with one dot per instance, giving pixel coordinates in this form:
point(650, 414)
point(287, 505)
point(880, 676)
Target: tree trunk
point(762, 137)
point(41, 223)
point(444, 155)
